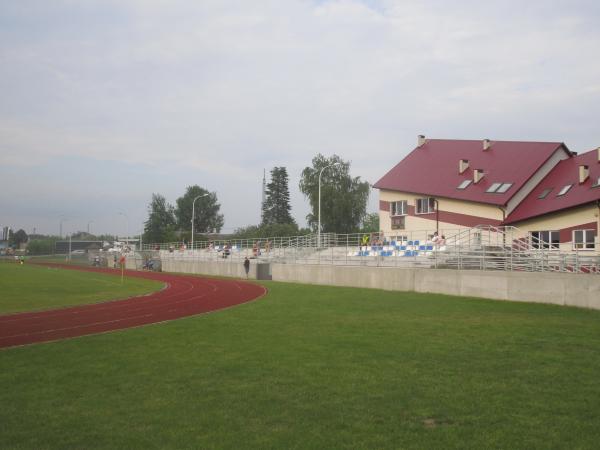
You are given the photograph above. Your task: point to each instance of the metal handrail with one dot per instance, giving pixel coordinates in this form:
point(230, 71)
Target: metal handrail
point(483, 248)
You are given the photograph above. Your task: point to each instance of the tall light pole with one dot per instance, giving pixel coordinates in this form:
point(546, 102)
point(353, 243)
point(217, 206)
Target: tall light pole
point(319, 226)
point(61, 219)
point(126, 222)
point(194, 214)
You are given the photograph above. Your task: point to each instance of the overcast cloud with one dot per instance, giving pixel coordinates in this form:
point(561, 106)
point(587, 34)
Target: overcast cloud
point(104, 103)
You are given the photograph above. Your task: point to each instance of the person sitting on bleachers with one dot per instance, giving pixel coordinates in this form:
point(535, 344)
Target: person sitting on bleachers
point(442, 241)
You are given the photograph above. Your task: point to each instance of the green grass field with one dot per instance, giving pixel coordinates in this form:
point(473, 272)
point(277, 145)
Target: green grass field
point(317, 367)
point(30, 287)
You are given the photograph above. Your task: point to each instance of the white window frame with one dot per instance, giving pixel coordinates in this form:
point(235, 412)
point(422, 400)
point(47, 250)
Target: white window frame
point(402, 211)
point(430, 205)
point(493, 188)
point(401, 223)
point(465, 184)
point(584, 244)
point(504, 188)
point(542, 244)
point(564, 190)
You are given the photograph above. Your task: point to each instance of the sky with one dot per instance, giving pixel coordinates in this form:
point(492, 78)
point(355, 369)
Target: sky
point(105, 102)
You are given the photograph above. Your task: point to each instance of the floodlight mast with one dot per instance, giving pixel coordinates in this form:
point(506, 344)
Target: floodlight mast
point(126, 223)
point(194, 214)
point(319, 225)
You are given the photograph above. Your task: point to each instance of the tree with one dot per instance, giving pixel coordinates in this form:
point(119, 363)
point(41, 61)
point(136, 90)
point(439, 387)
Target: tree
point(44, 246)
point(276, 209)
point(17, 238)
point(343, 198)
point(268, 231)
point(160, 226)
point(370, 223)
point(206, 211)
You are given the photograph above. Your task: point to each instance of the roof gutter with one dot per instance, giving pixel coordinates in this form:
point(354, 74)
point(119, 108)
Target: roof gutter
point(598, 225)
point(502, 224)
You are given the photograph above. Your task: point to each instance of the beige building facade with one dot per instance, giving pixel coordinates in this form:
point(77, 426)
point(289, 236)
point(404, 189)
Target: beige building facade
point(419, 216)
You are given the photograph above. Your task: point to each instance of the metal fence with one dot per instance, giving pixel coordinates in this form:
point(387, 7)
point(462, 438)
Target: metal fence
point(478, 248)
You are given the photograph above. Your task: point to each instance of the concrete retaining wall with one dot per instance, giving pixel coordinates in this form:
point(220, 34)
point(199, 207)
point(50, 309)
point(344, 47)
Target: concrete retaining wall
point(556, 288)
point(216, 268)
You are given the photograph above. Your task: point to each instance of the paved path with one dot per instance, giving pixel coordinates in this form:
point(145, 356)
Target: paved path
point(182, 296)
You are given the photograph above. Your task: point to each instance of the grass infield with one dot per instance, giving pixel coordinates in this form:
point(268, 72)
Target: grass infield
point(30, 287)
point(317, 367)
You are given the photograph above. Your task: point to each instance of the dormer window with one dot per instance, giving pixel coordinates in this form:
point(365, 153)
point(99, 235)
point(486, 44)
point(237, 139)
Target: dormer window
point(597, 183)
point(564, 190)
point(545, 193)
point(464, 184)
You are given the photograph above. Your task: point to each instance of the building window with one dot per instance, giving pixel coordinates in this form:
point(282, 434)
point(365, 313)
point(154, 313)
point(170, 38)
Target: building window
point(584, 239)
point(399, 208)
point(425, 205)
point(505, 187)
point(464, 184)
point(499, 188)
point(494, 187)
point(545, 193)
point(564, 190)
point(399, 223)
point(549, 240)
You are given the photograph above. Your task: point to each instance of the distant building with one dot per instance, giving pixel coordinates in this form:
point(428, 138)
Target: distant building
point(542, 188)
point(4, 237)
point(62, 247)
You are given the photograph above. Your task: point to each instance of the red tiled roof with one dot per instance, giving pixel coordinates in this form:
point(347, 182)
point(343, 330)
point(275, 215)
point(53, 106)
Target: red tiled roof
point(432, 169)
point(566, 172)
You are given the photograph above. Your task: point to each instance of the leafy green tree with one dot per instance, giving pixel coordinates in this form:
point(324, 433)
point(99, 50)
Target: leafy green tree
point(267, 231)
point(370, 223)
point(17, 238)
point(160, 226)
point(44, 246)
point(206, 211)
point(276, 209)
point(83, 236)
point(343, 198)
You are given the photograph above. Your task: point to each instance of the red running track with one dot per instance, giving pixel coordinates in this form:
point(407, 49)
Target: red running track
point(183, 296)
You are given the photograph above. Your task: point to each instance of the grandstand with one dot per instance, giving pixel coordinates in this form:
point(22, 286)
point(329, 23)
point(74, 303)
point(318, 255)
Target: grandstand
point(483, 247)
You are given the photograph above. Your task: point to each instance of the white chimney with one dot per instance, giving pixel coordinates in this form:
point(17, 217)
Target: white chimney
point(598, 154)
point(463, 165)
point(477, 175)
point(420, 140)
point(486, 144)
point(584, 173)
